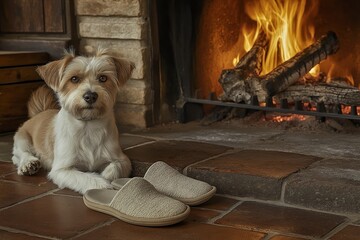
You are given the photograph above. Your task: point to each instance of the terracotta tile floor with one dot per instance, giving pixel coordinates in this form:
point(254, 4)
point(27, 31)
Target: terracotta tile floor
point(31, 207)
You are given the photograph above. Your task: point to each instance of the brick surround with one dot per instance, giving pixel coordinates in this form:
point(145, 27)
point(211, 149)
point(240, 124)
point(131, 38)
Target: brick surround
point(122, 25)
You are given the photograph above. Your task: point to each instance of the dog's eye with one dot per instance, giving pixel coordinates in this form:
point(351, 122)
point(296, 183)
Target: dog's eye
point(102, 78)
point(75, 79)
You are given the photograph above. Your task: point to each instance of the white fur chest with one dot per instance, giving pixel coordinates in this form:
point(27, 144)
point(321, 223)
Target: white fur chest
point(85, 145)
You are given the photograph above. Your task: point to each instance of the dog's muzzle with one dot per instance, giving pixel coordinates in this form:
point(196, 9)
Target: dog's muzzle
point(90, 97)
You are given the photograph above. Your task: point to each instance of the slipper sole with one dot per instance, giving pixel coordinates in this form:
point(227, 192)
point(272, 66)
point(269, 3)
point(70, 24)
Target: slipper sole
point(148, 222)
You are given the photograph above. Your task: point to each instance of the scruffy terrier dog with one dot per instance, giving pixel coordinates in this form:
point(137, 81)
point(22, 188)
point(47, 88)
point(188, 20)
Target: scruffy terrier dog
point(78, 141)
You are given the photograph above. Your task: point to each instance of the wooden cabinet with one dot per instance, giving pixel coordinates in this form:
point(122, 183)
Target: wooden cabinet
point(32, 16)
point(18, 79)
point(32, 32)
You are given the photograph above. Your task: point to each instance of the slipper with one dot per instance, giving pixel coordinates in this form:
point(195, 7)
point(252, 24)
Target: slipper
point(170, 182)
point(137, 202)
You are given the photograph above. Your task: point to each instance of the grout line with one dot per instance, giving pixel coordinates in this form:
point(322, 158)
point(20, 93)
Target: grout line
point(268, 236)
point(272, 234)
point(213, 220)
point(12, 230)
point(336, 229)
point(106, 223)
point(352, 217)
point(66, 195)
point(283, 189)
point(142, 136)
point(229, 151)
point(139, 145)
point(30, 199)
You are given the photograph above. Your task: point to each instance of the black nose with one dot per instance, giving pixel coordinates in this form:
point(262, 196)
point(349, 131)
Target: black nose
point(90, 97)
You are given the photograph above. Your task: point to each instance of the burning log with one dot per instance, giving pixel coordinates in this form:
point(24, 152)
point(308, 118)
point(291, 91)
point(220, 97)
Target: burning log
point(329, 93)
point(243, 82)
point(236, 82)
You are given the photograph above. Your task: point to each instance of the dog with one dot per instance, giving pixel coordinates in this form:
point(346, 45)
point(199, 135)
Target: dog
point(72, 131)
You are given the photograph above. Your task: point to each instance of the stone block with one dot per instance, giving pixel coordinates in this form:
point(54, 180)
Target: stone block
point(133, 50)
point(250, 173)
point(331, 185)
point(111, 7)
point(132, 94)
point(134, 115)
point(112, 27)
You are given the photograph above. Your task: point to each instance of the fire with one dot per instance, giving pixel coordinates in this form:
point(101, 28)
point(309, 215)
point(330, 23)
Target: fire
point(286, 23)
point(293, 117)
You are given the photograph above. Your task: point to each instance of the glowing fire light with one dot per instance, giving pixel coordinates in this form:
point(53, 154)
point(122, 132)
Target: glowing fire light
point(286, 25)
point(292, 117)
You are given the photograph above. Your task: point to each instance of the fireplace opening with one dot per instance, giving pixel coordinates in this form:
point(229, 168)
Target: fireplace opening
point(202, 42)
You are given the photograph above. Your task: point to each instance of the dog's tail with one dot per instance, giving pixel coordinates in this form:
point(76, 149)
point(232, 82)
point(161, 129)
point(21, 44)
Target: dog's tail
point(42, 99)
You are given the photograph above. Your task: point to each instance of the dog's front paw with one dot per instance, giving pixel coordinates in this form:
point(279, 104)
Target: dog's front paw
point(97, 182)
point(29, 167)
point(111, 172)
point(116, 170)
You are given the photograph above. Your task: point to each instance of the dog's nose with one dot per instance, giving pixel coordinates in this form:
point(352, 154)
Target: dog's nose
point(90, 97)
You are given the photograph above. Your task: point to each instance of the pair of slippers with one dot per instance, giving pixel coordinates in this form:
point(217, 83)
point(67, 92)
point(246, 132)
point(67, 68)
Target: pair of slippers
point(161, 198)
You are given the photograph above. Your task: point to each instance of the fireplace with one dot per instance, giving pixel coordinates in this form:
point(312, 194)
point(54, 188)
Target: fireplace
point(198, 40)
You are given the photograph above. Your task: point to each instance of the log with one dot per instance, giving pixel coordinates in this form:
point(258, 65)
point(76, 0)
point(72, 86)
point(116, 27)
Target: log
point(242, 82)
point(237, 78)
point(289, 72)
point(329, 93)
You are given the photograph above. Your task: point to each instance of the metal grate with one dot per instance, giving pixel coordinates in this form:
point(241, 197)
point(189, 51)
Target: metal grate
point(283, 107)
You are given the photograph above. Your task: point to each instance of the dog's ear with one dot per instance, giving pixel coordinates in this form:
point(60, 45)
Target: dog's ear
point(51, 73)
point(124, 69)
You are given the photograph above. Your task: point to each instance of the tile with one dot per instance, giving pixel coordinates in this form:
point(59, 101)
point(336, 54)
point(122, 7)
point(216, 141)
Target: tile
point(7, 167)
point(178, 154)
point(68, 192)
point(6, 145)
point(186, 230)
point(271, 164)
point(240, 185)
point(250, 173)
point(271, 218)
point(330, 185)
point(16, 236)
point(202, 215)
point(219, 203)
point(278, 237)
point(54, 216)
point(38, 179)
point(130, 141)
point(348, 233)
point(11, 193)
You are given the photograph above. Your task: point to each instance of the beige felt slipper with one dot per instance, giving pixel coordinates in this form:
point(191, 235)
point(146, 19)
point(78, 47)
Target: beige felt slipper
point(170, 182)
point(137, 202)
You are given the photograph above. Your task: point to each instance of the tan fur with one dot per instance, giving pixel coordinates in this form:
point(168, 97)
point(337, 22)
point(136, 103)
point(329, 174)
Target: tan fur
point(40, 131)
point(52, 72)
point(70, 132)
point(42, 99)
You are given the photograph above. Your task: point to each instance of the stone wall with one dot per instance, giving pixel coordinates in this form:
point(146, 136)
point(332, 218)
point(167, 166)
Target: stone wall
point(122, 25)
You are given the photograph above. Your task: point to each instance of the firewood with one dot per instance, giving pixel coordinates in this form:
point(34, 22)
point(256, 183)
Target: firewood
point(288, 73)
point(250, 64)
point(243, 82)
point(329, 93)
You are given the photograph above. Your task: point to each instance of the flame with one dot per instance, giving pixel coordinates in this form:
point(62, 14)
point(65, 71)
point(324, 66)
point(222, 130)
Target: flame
point(350, 79)
point(236, 60)
point(286, 24)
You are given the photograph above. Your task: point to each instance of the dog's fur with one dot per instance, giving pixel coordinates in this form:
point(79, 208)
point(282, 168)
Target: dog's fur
point(75, 138)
